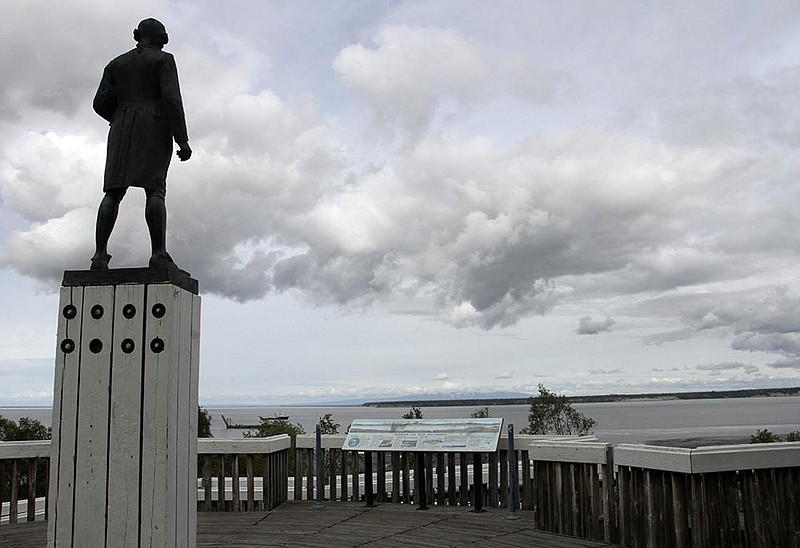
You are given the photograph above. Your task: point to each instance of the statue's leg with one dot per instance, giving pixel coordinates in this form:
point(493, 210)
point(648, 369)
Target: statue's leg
point(106, 217)
point(155, 213)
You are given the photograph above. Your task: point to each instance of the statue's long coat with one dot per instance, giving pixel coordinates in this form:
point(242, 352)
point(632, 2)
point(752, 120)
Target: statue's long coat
point(140, 97)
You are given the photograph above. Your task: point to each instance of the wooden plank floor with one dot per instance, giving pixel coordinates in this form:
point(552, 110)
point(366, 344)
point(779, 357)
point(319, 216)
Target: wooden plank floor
point(347, 524)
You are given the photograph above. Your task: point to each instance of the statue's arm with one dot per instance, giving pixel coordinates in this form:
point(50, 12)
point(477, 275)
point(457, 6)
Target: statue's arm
point(105, 100)
point(171, 95)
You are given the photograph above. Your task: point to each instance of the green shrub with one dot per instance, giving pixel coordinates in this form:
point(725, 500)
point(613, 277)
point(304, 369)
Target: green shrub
point(203, 423)
point(553, 414)
point(764, 436)
point(482, 413)
point(413, 413)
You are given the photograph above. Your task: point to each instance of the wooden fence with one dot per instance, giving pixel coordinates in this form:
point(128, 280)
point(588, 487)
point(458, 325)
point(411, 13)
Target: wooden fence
point(638, 495)
point(449, 476)
point(571, 494)
point(23, 480)
point(257, 467)
point(633, 495)
point(725, 496)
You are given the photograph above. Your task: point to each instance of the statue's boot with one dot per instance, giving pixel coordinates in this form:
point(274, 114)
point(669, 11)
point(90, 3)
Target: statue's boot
point(100, 262)
point(163, 260)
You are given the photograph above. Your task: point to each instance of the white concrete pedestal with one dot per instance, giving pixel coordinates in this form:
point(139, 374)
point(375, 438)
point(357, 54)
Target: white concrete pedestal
point(124, 449)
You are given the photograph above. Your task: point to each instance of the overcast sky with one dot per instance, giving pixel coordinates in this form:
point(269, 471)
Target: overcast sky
point(419, 197)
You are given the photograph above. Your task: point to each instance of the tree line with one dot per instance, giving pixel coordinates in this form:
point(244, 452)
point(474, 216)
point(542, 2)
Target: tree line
point(549, 414)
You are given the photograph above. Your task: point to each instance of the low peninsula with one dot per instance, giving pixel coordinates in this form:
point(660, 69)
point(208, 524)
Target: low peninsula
point(524, 400)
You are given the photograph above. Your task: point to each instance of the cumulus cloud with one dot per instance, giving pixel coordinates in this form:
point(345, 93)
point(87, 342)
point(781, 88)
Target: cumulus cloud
point(788, 343)
point(758, 320)
point(410, 70)
point(717, 368)
point(505, 375)
point(537, 84)
point(587, 326)
point(601, 371)
point(441, 377)
point(669, 336)
point(46, 175)
point(486, 222)
point(60, 67)
point(786, 363)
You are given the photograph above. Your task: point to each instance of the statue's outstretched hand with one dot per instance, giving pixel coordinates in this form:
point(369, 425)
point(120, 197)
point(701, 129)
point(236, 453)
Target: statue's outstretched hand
point(184, 151)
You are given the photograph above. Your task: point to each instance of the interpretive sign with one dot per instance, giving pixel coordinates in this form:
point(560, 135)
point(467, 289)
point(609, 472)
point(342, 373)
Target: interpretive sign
point(424, 435)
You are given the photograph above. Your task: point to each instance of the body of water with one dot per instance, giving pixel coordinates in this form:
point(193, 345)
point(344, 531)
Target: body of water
point(674, 422)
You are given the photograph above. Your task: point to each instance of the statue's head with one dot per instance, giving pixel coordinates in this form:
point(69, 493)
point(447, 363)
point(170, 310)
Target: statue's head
point(151, 32)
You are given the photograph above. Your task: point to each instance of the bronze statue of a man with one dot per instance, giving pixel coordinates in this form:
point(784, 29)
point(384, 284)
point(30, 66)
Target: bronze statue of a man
point(140, 97)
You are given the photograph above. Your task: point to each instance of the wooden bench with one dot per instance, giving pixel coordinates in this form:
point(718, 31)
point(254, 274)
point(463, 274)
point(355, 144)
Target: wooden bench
point(422, 436)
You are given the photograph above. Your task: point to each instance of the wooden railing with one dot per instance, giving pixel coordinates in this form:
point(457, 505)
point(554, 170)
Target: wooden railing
point(448, 475)
point(571, 495)
point(257, 467)
point(633, 495)
point(23, 480)
point(726, 496)
point(723, 496)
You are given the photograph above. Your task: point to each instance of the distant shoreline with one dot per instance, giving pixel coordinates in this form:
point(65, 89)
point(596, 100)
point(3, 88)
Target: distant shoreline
point(713, 394)
point(489, 401)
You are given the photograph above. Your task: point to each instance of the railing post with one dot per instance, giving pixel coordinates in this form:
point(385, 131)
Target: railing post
point(206, 483)
point(298, 473)
point(251, 483)
point(477, 482)
point(333, 473)
point(31, 489)
point(440, 478)
point(269, 474)
point(419, 476)
point(368, 489)
point(14, 503)
point(512, 476)
point(236, 502)
point(221, 484)
point(464, 479)
point(396, 468)
point(451, 479)
point(381, 476)
point(608, 498)
point(320, 485)
point(2, 478)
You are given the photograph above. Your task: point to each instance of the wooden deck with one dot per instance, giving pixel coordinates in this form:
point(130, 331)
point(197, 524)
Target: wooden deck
point(347, 524)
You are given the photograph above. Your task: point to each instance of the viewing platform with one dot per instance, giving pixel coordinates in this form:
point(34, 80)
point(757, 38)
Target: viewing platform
point(263, 492)
point(297, 523)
